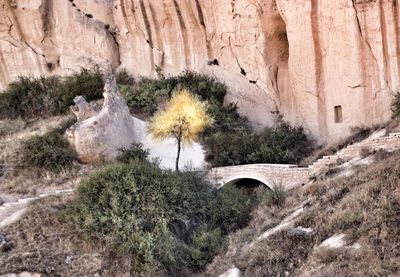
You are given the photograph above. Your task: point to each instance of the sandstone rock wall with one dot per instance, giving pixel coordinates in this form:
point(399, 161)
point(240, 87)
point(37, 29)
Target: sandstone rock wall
point(307, 58)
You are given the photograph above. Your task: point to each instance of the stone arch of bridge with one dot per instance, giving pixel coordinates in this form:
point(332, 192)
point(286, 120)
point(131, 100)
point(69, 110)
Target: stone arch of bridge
point(234, 179)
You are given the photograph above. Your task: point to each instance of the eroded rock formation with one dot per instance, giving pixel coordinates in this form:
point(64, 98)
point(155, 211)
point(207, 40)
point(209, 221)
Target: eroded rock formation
point(99, 135)
point(329, 65)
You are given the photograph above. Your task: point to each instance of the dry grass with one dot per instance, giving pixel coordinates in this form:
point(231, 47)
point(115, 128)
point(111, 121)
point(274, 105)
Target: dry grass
point(11, 143)
point(9, 127)
point(358, 134)
point(29, 182)
point(43, 245)
point(365, 207)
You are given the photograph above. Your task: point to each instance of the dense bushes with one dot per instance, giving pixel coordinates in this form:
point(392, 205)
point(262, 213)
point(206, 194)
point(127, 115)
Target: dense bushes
point(281, 143)
point(136, 152)
point(88, 83)
point(31, 97)
point(49, 152)
point(144, 96)
point(230, 140)
point(148, 214)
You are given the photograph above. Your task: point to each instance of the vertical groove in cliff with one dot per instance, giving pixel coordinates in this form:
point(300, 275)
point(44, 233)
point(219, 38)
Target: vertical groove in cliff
point(204, 27)
point(365, 48)
point(395, 8)
point(45, 9)
point(365, 40)
point(146, 23)
point(149, 33)
point(319, 70)
point(184, 34)
point(157, 34)
point(385, 51)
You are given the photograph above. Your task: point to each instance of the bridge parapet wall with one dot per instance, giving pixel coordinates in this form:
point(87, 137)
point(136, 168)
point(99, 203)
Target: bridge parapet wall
point(269, 174)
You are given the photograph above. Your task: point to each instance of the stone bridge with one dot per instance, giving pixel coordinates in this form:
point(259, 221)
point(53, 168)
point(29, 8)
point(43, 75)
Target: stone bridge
point(269, 174)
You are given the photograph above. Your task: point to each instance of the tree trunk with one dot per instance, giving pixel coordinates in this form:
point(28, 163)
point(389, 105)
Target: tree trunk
point(178, 155)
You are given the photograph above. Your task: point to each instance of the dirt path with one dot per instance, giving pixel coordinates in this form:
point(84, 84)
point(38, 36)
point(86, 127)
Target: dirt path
point(14, 208)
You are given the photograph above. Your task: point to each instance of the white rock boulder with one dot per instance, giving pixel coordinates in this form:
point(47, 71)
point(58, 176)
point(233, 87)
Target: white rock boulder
point(99, 135)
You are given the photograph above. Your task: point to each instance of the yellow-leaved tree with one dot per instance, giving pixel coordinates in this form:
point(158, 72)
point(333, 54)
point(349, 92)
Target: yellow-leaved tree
point(183, 118)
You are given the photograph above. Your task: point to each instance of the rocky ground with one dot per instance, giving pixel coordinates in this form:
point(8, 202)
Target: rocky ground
point(344, 222)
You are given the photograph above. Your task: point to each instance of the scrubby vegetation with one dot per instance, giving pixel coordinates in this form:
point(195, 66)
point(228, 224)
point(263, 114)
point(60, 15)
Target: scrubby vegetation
point(145, 95)
point(131, 217)
point(137, 151)
point(9, 127)
point(30, 97)
point(275, 196)
point(49, 151)
point(281, 143)
point(364, 207)
point(155, 216)
point(41, 244)
point(88, 83)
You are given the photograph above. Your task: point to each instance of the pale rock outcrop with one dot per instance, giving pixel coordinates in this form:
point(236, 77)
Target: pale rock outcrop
point(101, 134)
point(233, 272)
point(338, 242)
point(328, 65)
point(22, 274)
point(82, 109)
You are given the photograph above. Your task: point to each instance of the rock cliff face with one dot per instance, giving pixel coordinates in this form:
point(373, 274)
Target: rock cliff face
point(328, 65)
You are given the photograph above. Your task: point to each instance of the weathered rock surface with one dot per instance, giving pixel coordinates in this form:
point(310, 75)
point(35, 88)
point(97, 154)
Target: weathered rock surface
point(233, 272)
point(100, 136)
point(22, 274)
point(83, 110)
point(328, 65)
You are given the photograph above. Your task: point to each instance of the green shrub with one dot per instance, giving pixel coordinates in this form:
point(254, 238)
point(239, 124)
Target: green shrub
point(204, 246)
point(276, 196)
point(31, 97)
point(88, 83)
point(235, 206)
point(50, 152)
point(145, 96)
point(135, 152)
point(281, 143)
point(396, 106)
point(206, 87)
point(227, 120)
point(124, 78)
point(140, 211)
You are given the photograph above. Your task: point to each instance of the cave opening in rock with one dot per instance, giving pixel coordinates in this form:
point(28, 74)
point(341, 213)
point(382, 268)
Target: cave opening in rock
point(338, 114)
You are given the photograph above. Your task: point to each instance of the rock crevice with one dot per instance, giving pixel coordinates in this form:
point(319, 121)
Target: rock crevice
point(282, 53)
